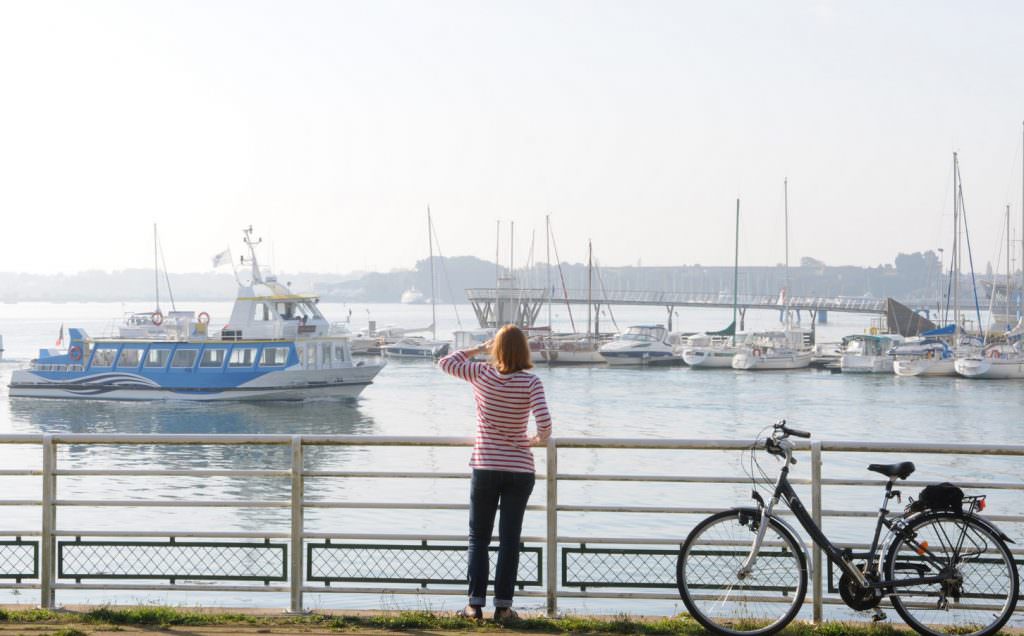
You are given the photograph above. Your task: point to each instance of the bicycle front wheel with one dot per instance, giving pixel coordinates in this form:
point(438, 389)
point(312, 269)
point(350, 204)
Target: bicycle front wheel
point(981, 592)
point(723, 600)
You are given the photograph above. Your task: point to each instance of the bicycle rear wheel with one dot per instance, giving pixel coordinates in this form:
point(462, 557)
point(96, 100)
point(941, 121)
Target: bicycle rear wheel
point(707, 575)
point(981, 594)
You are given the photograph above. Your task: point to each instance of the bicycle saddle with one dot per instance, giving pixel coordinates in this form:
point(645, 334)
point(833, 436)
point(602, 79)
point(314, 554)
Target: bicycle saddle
point(901, 470)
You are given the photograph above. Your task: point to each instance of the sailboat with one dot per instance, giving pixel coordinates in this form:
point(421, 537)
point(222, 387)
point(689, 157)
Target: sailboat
point(715, 350)
point(575, 348)
point(418, 346)
point(1001, 360)
point(779, 349)
point(935, 353)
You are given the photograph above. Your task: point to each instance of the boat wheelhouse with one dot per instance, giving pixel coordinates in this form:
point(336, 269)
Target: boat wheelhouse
point(277, 345)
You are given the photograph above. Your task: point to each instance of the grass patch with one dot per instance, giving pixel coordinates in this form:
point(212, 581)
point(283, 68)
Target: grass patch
point(159, 616)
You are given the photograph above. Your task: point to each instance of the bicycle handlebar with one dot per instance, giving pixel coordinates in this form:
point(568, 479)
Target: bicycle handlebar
point(781, 426)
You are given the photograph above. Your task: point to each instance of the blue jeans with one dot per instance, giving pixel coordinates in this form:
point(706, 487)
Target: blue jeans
point(488, 488)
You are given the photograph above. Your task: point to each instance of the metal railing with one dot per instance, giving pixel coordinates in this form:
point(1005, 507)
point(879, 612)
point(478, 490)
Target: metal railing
point(227, 560)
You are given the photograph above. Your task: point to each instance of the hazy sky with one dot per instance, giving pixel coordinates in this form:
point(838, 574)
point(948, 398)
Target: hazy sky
point(331, 126)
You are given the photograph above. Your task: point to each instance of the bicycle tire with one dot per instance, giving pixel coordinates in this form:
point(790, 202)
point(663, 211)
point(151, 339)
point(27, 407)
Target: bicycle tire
point(709, 560)
point(989, 589)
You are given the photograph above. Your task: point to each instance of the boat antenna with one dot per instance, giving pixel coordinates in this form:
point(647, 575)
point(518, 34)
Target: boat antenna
point(251, 244)
point(433, 294)
point(590, 284)
point(1009, 274)
point(736, 273)
point(156, 271)
point(497, 255)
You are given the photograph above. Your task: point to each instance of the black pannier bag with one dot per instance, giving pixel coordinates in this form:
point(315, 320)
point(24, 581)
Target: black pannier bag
point(944, 496)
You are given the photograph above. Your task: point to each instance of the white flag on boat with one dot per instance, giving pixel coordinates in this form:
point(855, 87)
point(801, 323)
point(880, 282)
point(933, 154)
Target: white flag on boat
point(223, 257)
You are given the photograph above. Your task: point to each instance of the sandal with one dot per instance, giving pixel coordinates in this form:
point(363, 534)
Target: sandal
point(505, 614)
point(471, 612)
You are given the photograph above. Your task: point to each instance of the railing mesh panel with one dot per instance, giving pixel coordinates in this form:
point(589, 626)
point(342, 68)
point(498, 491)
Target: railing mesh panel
point(618, 567)
point(172, 560)
point(422, 564)
point(19, 559)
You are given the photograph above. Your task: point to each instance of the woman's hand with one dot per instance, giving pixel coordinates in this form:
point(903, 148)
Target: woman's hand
point(485, 348)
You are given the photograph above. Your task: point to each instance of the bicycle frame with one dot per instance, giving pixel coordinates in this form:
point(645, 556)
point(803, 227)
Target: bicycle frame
point(842, 557)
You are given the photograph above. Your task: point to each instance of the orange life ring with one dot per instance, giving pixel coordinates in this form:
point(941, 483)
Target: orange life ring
point(75, 353)
point(204, 318)
point(157, 318)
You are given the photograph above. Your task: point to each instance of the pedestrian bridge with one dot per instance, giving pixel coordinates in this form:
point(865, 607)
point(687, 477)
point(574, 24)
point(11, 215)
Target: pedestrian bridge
point(523, 306)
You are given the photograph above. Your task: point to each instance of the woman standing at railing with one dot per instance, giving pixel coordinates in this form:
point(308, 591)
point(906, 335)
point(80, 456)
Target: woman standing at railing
point(502, 461)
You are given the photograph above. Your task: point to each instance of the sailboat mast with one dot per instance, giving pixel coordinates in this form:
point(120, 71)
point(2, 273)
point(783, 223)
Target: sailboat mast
point(956, 251)
point(547, 236)
point(433, 296)
point(1021, 296)
point(736, 272)
point(1009, 274)
point(590, 282)
point(497, 254)
point(785, 197)
point(156, 271)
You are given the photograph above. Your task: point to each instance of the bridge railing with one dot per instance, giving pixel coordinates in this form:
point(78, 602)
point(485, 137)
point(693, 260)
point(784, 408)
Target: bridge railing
point(59, 554)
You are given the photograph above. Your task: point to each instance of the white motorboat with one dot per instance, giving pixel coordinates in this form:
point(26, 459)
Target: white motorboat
point(412, 296)
point(640, 345)
point(706, 351)
point(997, 361)
point(865, 353)
point(416, 347)
point(573, 348)
point(774, 350)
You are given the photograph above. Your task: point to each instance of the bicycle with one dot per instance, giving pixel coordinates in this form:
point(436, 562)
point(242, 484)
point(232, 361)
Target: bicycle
point(944, 569)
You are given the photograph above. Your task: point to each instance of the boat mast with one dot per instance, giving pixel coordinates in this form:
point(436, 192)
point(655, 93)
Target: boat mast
point(1009, 274)
point(433, 296)
point(497, 255)
point(1020, 298)
point(956, 252)
point(736, 272)
point(156, 272)
point(547, 292)
point(590, 283)
point(785, 199)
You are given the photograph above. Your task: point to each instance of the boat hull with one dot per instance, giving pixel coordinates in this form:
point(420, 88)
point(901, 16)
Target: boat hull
point(280, 385)
point(924, 367)
point(708, 358)
point(866, 364)
point(637, 359)
point(989, 369)
point(750, 362)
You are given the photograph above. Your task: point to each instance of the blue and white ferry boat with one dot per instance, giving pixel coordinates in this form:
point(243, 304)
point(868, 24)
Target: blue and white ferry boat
point(276, 346)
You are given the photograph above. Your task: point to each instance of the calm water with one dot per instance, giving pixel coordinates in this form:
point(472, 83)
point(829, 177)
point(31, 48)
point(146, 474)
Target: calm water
point(413, 398)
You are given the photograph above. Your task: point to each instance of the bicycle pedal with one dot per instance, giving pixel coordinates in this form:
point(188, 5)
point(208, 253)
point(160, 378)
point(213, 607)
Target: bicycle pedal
point(878, 615)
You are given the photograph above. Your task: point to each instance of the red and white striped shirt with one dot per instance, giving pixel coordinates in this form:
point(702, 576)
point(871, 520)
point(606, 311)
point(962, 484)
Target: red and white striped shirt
point(503, 406)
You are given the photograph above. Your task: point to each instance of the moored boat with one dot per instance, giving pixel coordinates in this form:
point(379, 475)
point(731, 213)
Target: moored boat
point(640, 345)
point(275, 346)
point(866, 353)
point(774, 350)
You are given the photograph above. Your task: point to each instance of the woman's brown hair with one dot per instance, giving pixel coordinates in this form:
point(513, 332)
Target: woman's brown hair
point(511, 351)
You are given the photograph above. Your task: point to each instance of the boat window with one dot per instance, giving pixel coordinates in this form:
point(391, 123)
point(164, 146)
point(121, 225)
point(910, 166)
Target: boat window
point(129, 358)
point(213, 358)
point(339, 353)
point(261, 311)
point(184, 359)
point(274, 357)
point(104, 357)
point(287, 311)
point(325, 354)
point(157, 357)
point(242, 357)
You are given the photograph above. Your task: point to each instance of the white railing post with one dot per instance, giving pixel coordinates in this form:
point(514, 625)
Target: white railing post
point(297, 574)
point(817, 592)
point(47, 563)
point(551, 505)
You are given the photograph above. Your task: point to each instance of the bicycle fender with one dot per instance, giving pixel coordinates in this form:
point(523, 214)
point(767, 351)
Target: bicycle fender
point(755, 513)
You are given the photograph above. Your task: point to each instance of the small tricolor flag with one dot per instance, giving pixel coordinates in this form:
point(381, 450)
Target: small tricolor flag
point(60, 336)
